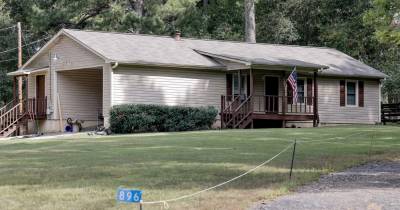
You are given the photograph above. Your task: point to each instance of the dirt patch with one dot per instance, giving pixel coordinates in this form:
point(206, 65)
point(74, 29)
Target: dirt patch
point(370, 186)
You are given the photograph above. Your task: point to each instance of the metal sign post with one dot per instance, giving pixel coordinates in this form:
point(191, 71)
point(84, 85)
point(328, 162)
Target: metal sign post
point(293, 154)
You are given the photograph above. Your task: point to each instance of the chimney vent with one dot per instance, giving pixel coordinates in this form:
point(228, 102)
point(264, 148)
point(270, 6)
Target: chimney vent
point(177, 35)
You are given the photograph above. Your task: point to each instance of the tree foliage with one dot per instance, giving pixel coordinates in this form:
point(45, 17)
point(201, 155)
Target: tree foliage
point(384, 16)
point(363, 29)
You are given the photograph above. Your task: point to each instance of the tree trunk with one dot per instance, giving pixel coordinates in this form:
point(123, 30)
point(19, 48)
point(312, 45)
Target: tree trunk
point(250, 21)
point(139, 7)
point(205, 3)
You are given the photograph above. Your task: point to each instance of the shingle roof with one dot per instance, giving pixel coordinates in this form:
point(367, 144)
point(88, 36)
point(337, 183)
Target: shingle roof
point(147, 49)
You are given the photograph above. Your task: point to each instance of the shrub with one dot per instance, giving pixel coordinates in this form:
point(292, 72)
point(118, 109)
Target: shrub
point(133, 118)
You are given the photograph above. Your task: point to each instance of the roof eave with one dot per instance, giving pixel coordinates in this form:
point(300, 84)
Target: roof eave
point(169, 65)
point(355, 76)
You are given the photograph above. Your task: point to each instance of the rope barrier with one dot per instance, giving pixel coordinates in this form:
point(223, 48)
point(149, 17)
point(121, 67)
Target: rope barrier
point(165, 202)
point(353, 144)
point(326, 141)
point(332, 138)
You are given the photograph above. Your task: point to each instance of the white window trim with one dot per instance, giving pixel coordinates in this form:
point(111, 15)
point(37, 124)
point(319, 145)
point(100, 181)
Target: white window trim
point(245, 83)
point(305, 89)
point(356, 91)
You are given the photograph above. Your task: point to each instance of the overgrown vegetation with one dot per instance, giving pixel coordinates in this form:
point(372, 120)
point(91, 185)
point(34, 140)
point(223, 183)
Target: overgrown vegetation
point(365, 30)
point(133, 118)
point(83, 172)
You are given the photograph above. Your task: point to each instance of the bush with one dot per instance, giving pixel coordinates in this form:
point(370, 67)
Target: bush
point(133, 118)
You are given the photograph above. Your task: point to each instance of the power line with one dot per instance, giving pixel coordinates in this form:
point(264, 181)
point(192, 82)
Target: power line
point(3, 29)
point(24, 41)
point(12, 59)
point(12, 49)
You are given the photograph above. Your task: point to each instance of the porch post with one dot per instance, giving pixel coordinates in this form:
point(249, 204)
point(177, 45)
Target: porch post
point(240, 82)
point(251, 82)
point(284, 99)
point(251, 94)
point(107, 93)
point(20, 96)
point(14, 87)
point(315, 108)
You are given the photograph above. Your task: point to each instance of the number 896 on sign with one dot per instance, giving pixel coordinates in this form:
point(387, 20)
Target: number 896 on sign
point(130, 196)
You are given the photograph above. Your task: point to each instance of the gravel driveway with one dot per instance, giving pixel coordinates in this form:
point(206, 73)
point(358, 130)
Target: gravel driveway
point(371, 186)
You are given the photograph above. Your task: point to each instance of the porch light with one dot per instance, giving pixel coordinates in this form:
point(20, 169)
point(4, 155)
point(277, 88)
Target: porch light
point(55, 57)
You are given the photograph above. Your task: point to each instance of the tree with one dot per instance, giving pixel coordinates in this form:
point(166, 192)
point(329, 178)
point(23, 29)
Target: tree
point(250, 17)
point(384, 16)
point(365, 30)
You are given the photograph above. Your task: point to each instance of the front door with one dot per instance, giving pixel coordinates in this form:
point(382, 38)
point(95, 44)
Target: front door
point(271, 94)
point(40, 95)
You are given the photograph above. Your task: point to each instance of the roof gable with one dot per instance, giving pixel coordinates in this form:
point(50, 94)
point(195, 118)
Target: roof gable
point(71, 52)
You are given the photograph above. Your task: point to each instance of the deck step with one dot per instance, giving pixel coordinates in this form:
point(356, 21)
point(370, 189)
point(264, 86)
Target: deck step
point(245, 123)
point(9, 131)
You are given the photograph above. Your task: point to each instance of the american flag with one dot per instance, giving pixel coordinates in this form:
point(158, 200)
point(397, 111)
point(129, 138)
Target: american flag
point(292, 80)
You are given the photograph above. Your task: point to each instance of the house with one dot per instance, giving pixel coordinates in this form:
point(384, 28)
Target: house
point(82, 74)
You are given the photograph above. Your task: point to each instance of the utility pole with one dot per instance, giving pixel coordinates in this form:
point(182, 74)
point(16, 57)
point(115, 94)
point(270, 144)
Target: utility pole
point(19, 44)
point(20, 96)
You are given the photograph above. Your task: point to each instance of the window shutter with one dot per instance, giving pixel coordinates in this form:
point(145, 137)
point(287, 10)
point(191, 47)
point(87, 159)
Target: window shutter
point(361, 93)
point(342, 93)
point(309, 92)
point(229, 87)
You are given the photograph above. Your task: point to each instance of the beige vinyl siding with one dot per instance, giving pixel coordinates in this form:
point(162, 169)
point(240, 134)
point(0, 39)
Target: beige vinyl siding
point(168, 86)
point(71, 56)
point(80, 93)
point(330, 110)
point(32, 84)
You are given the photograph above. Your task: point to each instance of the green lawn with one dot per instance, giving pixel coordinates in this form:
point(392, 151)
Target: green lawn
point(84, 173)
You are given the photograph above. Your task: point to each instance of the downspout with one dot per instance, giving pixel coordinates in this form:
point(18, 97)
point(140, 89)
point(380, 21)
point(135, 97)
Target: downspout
point(115, 65)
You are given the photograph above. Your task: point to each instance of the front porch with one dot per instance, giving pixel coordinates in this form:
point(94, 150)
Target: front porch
point(264, 96)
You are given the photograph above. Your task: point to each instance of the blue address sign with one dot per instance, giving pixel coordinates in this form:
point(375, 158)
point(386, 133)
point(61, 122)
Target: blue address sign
point(129, 196)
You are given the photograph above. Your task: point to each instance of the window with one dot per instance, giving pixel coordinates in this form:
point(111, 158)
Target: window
point(351, 93)
point(300, 91)
point(243, 84)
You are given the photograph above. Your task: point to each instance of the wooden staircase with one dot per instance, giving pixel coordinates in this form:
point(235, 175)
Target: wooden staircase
point(10, 119)
point(238, 114)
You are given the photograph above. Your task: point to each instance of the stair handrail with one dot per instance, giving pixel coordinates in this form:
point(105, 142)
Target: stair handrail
point(235, 113)
point(226, 112)
point(228, 108)
point(5, 107)
point(10, 117)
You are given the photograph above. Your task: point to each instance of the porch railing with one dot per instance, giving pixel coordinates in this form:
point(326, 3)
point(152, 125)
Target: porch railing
point(235, 113)
point(10, 118)
point(271, 104)
point(37, 107)
point(8, 106)
point(283, 104)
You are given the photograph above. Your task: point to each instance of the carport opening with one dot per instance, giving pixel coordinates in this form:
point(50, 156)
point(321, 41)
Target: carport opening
point(81, 96)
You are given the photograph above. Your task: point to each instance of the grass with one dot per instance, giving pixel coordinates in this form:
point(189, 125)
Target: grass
point(83, 172)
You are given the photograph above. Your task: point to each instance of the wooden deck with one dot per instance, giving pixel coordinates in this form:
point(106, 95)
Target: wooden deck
point(239, 113)
point(390, 112)
point(281, 117)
